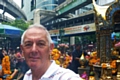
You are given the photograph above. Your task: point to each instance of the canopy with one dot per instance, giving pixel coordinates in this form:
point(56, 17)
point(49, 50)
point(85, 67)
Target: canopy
point(10, 30)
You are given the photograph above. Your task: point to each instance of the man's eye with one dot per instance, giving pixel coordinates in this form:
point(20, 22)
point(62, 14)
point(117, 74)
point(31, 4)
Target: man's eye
point(41, 44)
point(27, 45)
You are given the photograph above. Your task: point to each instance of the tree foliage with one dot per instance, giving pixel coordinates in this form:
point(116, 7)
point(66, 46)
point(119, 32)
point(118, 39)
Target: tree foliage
point(19, 23)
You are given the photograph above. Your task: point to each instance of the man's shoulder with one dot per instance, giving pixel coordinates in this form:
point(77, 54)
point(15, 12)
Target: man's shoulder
point(28, 75)
point(28, 72)
point(67, 74)
point(60, 74)
point(74, 51)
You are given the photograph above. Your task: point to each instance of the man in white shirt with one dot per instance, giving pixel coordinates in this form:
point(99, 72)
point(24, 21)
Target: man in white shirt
point(36, 46)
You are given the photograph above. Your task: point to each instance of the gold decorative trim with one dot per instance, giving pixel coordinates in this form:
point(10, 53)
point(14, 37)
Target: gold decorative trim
point(101, 10)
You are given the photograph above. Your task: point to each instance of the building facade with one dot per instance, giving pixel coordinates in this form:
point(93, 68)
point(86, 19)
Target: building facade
point(81, 15)
point(103, 2)
point(29, 6)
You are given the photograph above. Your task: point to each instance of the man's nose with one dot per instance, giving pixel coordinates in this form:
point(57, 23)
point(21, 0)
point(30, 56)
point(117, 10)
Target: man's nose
point(34, 47)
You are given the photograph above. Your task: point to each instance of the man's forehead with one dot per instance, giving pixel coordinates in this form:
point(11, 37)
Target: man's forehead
point(34, 30)
point(35, 34)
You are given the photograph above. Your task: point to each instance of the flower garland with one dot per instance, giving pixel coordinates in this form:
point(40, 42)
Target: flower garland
point(60, 59)
point(6, 66)
point(55, 55)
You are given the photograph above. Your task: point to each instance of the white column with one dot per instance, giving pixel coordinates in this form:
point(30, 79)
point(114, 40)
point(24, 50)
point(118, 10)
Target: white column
point(72, 40)
point(37, 16)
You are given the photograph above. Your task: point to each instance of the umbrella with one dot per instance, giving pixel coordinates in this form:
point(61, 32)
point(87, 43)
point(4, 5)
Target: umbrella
point(11, 31)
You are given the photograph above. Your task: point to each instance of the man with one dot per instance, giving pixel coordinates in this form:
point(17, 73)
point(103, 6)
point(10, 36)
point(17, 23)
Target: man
point(76, 54)
point(21, 65)
point(36, 46)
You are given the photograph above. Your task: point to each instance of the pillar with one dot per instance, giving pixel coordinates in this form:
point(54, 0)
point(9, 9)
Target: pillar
point(37, 16)
point(72, 40)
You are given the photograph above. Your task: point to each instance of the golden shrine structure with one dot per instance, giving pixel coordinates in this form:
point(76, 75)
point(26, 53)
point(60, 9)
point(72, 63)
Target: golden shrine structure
point(106, 18)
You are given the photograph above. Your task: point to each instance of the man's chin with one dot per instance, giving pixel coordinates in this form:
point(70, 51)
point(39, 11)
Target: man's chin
point(33, 64)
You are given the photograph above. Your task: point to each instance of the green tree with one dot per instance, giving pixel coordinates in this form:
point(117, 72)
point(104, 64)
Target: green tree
point(19, 23)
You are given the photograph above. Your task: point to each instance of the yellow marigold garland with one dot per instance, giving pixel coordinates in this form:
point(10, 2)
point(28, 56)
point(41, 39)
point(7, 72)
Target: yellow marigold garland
point(56, 55)
point(6, 67)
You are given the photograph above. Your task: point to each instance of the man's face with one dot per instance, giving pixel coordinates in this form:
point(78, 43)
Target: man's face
point(36, 48)
point(78, 48)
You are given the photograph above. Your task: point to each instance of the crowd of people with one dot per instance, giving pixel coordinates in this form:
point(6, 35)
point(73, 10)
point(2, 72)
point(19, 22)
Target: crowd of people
point(33, 61)
point(15, 67)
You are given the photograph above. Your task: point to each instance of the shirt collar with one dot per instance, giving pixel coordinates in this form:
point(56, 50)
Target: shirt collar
point(29, 72)
point(50, 71)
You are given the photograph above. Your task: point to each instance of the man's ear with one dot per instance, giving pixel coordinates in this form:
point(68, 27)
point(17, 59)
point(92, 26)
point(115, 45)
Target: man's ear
point(51, 46)
point(21, 47)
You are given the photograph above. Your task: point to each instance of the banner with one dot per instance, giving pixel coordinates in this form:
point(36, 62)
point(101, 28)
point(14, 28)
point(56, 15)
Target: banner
point(75, 29)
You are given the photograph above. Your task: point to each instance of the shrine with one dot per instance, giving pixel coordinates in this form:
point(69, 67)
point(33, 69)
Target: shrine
point(107, 21)
point(104, 63)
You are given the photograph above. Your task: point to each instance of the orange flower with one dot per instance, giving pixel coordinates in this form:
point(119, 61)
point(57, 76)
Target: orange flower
point(6, 65)
point(55, 54)
point(104, 65)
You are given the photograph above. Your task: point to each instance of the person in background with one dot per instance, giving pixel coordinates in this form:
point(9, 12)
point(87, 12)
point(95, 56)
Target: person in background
point(36, 46)
point(6, 70)
point(76, 54)
point(21, 65)
point(1, 73)
point(1, 55)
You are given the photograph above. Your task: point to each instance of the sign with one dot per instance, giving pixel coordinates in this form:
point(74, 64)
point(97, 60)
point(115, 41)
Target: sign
point(69, 4)
point(75, 29)
point(80, 29)
point(54, 32)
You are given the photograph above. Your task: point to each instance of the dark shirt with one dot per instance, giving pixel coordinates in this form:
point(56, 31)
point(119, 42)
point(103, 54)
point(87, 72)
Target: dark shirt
point(1, 56)
point(75, 63)
point(23, 67)
point(75, 54)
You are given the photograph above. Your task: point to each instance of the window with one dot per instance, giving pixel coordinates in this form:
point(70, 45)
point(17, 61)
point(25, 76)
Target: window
point(22, 4)
point(33, 5)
